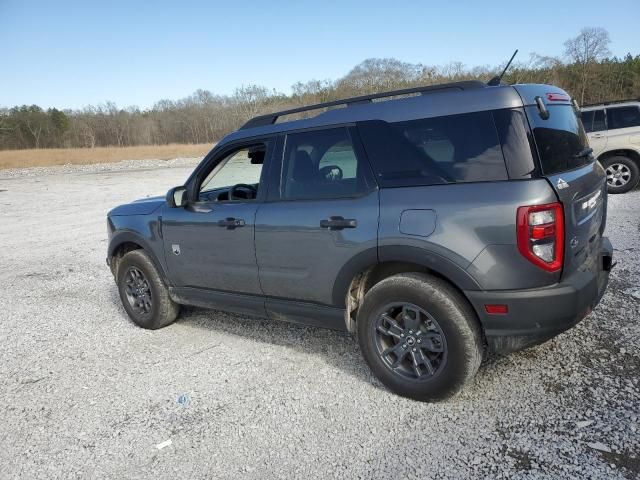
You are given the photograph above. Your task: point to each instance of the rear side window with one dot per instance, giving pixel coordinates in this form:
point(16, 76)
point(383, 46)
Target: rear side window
point(450, 149)
point(323, 164)
point(516, 142)
point(560, 139)
point(623, 117)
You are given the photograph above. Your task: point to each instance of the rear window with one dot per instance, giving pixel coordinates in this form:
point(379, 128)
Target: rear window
point(450, 149)
point(560, 139)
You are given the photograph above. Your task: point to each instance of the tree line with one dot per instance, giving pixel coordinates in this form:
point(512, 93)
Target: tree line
point(587, 71)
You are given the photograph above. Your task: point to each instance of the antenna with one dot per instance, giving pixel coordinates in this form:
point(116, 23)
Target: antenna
point(496, 80)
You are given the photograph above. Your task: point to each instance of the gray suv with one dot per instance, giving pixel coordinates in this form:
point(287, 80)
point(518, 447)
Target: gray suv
point(436, 223)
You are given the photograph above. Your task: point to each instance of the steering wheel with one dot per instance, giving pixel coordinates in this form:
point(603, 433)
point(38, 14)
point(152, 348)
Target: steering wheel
point(331, 173)
point(246, 186)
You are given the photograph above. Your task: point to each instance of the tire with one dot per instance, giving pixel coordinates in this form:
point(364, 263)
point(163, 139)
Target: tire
point(143, 293)
point(452, 343)
point(623, 174)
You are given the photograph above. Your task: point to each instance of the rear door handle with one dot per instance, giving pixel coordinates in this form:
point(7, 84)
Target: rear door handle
point(230, 223)
point(597, 135)
point(338, 223)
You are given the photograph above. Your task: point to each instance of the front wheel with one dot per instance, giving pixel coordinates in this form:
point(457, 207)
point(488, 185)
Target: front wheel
point(622, 174)
point(143, 293)
point(419, 336)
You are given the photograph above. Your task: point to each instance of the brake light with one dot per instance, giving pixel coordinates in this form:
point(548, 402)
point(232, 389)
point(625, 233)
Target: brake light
point(558, 97)
point(540, 233)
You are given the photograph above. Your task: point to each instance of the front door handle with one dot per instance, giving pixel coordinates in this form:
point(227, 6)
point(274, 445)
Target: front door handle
point(230, 223)
point(338, 223)
point(597, 135)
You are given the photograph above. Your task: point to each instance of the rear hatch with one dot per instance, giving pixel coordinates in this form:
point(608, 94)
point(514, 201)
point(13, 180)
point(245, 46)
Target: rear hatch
point(575, 175)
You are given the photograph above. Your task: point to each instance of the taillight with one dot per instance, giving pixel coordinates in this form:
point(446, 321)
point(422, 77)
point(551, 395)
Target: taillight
point(540, 232)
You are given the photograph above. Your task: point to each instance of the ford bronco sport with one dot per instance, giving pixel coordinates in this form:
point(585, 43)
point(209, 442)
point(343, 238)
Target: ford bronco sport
point(613, 129)
point(435, 223)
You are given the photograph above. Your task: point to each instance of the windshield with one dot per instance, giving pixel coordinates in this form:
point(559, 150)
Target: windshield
point(560, 139)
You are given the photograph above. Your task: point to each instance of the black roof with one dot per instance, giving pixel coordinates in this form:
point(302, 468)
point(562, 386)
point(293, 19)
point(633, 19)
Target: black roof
point(414, 103)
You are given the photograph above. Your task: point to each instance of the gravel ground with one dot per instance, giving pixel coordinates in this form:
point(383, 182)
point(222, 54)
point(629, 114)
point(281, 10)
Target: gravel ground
point(87, 394)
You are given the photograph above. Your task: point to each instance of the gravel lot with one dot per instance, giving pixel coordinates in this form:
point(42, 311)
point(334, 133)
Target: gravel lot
point(87, 394)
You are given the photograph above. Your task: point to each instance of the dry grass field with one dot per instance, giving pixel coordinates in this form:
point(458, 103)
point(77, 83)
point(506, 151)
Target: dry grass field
point(62, 156)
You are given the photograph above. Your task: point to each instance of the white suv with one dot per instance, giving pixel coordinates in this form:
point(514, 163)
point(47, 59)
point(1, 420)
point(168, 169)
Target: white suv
point(614, 134)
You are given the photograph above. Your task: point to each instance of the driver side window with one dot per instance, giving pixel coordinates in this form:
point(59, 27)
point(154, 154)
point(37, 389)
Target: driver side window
point(235, 177)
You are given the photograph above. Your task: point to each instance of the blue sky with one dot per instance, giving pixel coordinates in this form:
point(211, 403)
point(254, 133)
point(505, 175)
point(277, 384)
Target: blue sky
point(69, 54)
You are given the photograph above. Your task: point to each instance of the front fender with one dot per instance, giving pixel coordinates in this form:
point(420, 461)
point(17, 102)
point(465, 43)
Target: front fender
point(143, 231)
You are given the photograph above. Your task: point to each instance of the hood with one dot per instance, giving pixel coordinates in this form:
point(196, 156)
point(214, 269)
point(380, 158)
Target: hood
point(144, 206)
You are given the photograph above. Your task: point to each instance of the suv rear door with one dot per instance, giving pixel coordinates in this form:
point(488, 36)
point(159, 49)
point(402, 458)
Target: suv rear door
point(578, 180)
point(624, 124)
point(322, 212)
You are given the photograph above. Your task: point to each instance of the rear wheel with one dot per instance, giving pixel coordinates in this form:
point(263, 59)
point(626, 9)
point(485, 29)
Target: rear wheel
point(622, 174)
point(419, 336)
point(143, 293)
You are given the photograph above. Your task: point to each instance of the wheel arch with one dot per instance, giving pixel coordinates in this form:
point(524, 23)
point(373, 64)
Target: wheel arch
point(124, 242)
point(359, 275)
point(621, 152)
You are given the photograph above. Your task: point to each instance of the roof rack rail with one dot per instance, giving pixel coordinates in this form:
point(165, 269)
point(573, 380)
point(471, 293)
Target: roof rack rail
point(611, 102)
point(271, 118)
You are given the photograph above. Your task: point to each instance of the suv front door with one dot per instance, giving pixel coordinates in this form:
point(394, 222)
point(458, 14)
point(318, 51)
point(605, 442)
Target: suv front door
point(209, 243)
point(322, 214)
point(596, 127)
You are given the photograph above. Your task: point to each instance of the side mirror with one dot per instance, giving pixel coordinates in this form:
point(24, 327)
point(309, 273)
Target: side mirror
point(177, 197)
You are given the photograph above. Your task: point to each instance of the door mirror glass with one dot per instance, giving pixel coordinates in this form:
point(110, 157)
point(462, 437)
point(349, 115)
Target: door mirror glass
point(177, 197)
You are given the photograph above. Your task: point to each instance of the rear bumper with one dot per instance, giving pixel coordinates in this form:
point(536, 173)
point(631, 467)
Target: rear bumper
point(536, 315)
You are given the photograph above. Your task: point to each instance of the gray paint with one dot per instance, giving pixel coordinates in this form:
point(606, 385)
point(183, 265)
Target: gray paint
point(282, 264)
point(417, 222)
point(298, 259)
point(211, 256)
point(471, 217)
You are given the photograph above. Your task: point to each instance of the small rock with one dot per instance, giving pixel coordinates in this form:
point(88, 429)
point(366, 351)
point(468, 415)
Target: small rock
point(164, 444)
point(599, 446)
point(584, 423)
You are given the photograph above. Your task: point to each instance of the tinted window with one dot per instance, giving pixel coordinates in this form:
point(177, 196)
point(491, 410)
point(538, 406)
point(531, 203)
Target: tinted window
point(587, 120)
point(599, 124)
point(623, 117)
point(559, 138)
point(455, 148)
point(322, 164)
point(593, 121)
point(516, 144)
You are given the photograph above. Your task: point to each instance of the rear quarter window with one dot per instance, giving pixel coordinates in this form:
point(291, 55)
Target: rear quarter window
point(449, 149)
point(559, 138)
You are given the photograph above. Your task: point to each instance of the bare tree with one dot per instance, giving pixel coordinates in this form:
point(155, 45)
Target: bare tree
point(586, 72)
point(590, 46)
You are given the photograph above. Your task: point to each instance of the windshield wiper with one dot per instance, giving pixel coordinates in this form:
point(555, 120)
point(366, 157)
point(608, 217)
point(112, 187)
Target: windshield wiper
point(584, 153)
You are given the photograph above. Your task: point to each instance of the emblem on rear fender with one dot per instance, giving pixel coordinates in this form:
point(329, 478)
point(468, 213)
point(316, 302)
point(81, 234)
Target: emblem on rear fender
point(176, 249)
point(562, 184)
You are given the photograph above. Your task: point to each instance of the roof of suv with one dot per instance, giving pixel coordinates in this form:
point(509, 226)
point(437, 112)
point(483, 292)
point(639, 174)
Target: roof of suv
point(432, 101)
